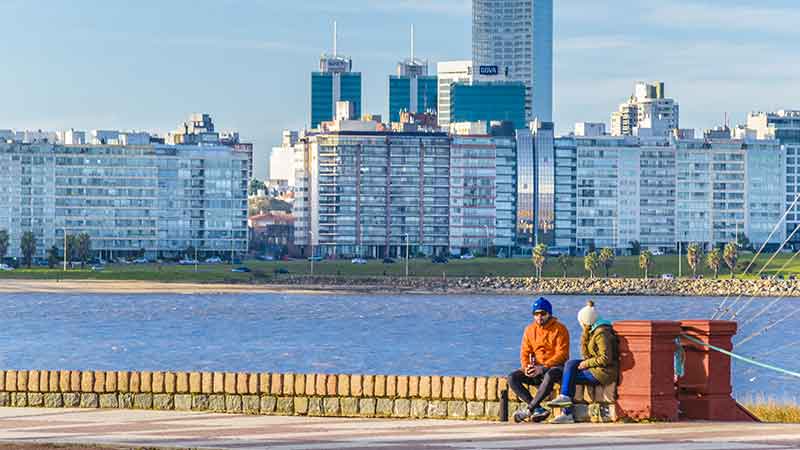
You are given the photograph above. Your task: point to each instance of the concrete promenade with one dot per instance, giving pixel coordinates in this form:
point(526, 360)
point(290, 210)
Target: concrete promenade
point(131, 428)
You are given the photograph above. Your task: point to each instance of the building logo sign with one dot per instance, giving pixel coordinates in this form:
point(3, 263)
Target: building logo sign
point(489, 70)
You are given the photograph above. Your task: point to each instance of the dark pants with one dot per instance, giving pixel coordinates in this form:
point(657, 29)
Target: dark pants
point(544, 384)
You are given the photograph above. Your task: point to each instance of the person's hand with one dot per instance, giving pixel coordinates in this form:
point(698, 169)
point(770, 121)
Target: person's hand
point(529, 370)
point(583, 365)
point(535, 371)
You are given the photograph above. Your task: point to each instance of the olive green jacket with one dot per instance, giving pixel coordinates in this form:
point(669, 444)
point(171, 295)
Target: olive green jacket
point(600, 352)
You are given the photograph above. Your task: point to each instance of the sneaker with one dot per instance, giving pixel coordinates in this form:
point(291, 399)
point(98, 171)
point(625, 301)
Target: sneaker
point(540, 414)
point(560, 402)
point(564, 418)
point(522, 415)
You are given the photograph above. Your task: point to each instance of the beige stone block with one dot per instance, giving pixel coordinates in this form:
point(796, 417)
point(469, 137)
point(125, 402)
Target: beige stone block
point(276, 384)
point(157, 378)
point(491, 389)
point(111, 381)
point(419, 408)
point(368, 385)
point(301, 405)
point(169, 382)
point(606, 394)
point(74, 381)
point(493, 410)
point(447, 387)
point(252, 383)
point(480, 388)
point(123, 381)
point(135, 382)
point(502, 385)
point(288, 384)
point(402, 388)
point(380, 385)
point(475, 410)
point(264, 383)
point(458, 388)
point(578, 398)
point(182, 385)
point(437, 409)
point(229, 383)
point(349, 406)
point(469, 389)
point(367, 406)
point(87, 381)
point(436, 387)
point(2, 380)
point(588, 394)
point(384, 407)
point(413, 386)
point(147, 382)
point(311, 384)
point(219, 383)
point(195, 382)
point(33, 381)
point(299, 384)
point(391, 386)
point(320, 388)
point(425, 387)
point(402, 408)
point(356, 388)
point(22, 381)
point(330, 385)
point(241, 383)
point(343, 385)
point(99, 382)
point(207, 383)
point(52, 383)
point(330, 405)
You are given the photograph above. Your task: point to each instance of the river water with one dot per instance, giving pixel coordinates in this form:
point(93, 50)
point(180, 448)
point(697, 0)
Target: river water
point(394, 334)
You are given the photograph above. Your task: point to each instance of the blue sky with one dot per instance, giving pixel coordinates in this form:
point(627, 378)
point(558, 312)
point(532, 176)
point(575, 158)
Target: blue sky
point(147, 64)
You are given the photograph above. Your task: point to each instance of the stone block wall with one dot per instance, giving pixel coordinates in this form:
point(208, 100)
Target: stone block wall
point(592, 403)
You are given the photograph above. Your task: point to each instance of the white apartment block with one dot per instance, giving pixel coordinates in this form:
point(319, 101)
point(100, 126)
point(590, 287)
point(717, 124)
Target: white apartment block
point(449, 72)
point(647, 113)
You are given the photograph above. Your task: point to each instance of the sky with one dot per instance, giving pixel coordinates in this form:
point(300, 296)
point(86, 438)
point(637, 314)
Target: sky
point(148, 64)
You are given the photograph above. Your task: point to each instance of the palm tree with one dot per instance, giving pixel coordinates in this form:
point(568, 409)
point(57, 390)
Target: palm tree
point(539, 258)
point(693, 256)
point(27, 245)
point(713, 261)
point(590, 263)
point(730, 255)
point(607, 259)
point(646, 262)
point(565, 262)
point(83, 248)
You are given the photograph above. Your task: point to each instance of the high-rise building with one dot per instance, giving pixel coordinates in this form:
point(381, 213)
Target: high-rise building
point(516, 36)
point(646, 113)
point(449, 72)
point(335, 81)
point(412, 89)
point(487, 102)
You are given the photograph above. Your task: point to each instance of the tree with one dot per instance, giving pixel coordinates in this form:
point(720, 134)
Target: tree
point(27, 246)
point(607, 259)
point(730, 255)
point(636, 247)
point(52, 256)
point(255, 185)
point(3, 244)
point(83, 248)
point(590, 263)
point(565, 262)
point(744, 242)
point(646, 262)
point(141, 252)
point(539, 258)
point(713, 261)
point(190, 252)
point(72, 247)
point(693, 256)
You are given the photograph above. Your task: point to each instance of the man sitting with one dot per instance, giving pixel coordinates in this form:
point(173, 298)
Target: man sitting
point(544, 349)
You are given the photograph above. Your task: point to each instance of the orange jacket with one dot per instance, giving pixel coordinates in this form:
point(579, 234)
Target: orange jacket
point(549, 344)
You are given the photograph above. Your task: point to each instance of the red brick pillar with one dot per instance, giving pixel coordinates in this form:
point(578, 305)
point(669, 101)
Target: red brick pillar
point(705, 388)
point(646, 387)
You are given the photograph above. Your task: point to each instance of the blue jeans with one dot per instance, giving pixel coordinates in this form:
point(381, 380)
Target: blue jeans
point(572, 377)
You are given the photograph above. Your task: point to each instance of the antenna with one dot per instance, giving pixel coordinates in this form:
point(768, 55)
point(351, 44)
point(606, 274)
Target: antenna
point(412, 42)
point(335, 38)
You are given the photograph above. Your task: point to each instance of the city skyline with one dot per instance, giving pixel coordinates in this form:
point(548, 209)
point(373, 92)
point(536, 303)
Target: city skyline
point(248, 64)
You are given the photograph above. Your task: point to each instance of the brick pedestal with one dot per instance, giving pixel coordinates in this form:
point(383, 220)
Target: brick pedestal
point(647, 379)
point(705, 389)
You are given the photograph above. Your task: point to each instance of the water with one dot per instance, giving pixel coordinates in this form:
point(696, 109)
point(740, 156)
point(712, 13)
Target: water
point(408, 334)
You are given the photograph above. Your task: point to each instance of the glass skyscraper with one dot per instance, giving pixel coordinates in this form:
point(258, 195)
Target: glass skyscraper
point(488, 101)
point(517, 36)
point(335, 81)
point(412, 89)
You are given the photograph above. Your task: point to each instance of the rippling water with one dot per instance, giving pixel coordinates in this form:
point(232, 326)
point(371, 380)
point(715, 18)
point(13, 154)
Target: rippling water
point(408, 334)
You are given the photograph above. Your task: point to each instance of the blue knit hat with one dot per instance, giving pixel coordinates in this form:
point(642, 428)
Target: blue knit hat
point(541, 304)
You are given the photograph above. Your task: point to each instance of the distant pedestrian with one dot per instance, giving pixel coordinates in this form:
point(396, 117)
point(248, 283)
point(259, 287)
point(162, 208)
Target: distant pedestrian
point(600, 363)
point(543, 351)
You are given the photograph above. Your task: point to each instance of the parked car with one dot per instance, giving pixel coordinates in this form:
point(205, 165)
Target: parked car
point(141, 261)
point(467, 256)
point(188, 262)
point(315, 258)
point(280, 270)
point(241, 269)
point(439, 260)
point(98, 268)
point(656, 252)
point(667, 276)
point(388, 260)
point(265, 258)
point(214, 260)
point(359, 261)
point(41, 262)
point(553, 253)
point(6, 268)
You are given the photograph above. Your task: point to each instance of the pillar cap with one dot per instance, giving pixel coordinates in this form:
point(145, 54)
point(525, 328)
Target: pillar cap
point(709, 327)
point(647, 327)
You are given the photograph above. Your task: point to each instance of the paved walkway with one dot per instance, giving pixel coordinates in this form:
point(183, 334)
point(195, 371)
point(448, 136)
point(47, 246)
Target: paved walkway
point(222, 431)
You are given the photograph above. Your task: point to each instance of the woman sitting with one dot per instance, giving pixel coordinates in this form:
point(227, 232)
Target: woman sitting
point(599, 366)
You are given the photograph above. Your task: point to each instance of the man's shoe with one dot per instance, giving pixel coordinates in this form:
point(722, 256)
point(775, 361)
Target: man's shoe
point(560, 402)
point(540, 414)
point(522, 414)
point(564, 418)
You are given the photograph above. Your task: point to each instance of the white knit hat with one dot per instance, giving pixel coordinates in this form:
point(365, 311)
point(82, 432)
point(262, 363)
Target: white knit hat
point(587, 316)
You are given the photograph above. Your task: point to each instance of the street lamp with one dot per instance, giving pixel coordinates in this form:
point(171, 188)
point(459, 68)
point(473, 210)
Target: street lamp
point(486, 229)
point(406, 255)
point(311, 244)
point(65, 249)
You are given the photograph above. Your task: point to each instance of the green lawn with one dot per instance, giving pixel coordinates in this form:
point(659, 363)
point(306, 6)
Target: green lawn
point(626, 266)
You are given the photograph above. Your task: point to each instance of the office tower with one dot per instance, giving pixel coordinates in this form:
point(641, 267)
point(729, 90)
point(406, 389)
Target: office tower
point(517, 36)
point(646, 113)
point(543, 134)
point(335, 81)
point(449, 72)
point(412, 89)
point(487, 102)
